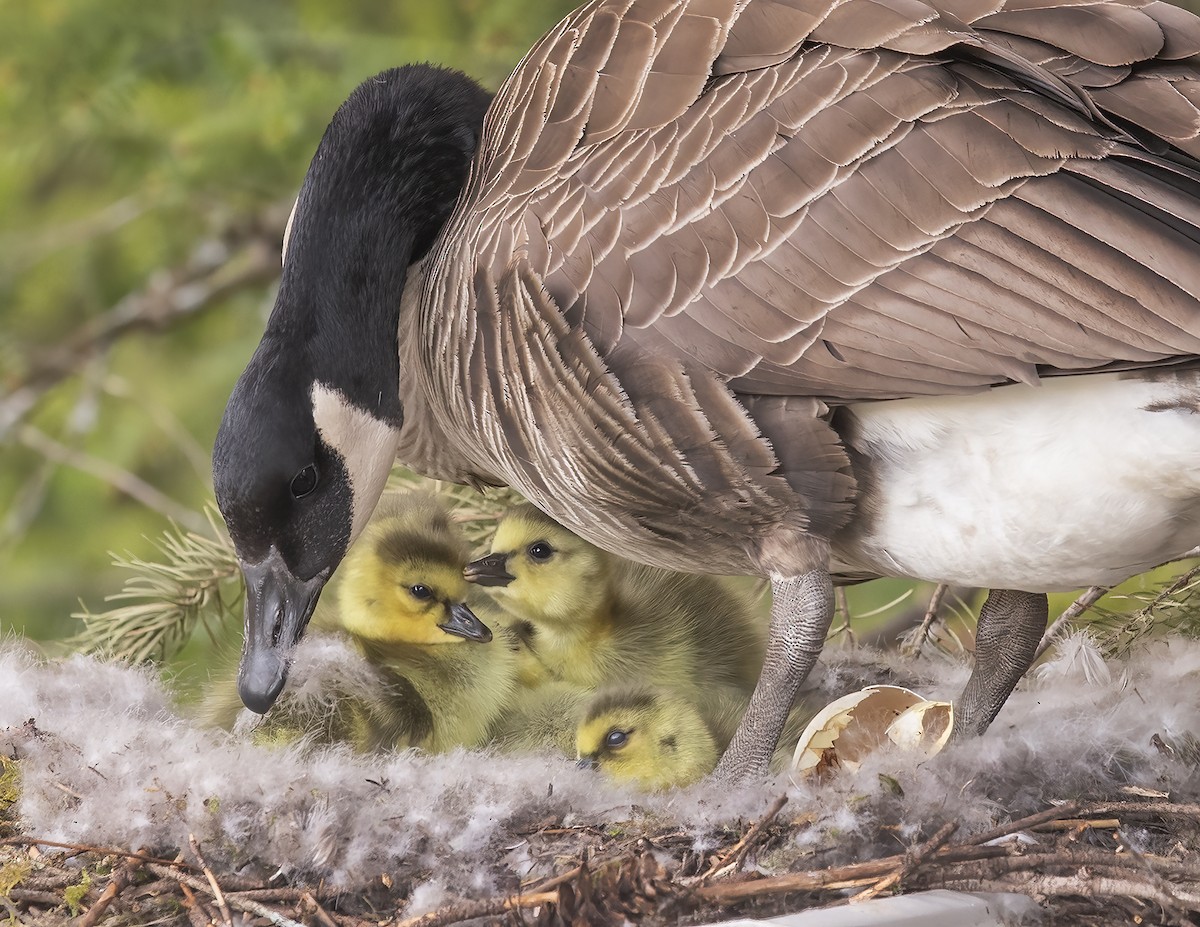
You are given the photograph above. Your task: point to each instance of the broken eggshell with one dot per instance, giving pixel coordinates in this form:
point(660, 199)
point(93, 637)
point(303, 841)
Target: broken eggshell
point(849, 728)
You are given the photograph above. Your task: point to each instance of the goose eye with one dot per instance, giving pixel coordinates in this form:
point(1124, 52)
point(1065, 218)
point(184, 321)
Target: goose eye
point(304, 482)
point(420, 591)
point(616, 739)
point(540, 550)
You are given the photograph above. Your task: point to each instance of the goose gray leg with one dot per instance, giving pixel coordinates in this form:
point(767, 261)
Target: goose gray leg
point(1011, 625)
point(801, 612)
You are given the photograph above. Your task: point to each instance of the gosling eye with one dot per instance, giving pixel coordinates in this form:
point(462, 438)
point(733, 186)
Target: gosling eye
point(616, 739)
point(304, 482)
point(540, 550)
point(420, 591)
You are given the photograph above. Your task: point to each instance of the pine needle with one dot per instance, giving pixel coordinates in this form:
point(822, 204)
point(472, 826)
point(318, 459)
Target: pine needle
point(1174, 608)
point(197, 582)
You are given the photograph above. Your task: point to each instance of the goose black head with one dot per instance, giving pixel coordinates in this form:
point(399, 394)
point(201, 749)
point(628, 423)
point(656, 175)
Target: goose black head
point(311, 429)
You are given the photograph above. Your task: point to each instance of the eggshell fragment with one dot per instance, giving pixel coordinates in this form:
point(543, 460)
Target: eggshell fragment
point(924, 726)
point(848, 728)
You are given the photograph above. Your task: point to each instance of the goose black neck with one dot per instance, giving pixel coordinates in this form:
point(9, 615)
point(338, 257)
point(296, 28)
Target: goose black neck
point(382, 184)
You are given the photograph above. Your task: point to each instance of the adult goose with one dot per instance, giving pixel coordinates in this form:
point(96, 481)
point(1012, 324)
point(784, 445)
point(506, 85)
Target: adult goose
point(790, 287)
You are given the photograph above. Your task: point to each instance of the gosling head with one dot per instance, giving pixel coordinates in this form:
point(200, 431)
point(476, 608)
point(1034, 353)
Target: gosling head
point(650, 737)
point(541, 570)
point(312, 426)
point(402, 582)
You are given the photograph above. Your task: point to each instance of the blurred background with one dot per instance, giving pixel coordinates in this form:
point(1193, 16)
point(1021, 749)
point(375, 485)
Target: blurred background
point(151, 154)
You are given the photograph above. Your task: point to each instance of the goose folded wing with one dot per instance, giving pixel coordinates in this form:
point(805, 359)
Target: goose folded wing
point(872, 199)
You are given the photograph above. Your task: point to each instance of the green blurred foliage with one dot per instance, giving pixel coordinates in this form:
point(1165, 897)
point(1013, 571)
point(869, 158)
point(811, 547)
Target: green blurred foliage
point(134, 131)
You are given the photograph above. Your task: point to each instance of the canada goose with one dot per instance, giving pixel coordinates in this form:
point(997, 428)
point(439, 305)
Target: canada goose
point(597, 618)
point(754, 286)
point(659, 737)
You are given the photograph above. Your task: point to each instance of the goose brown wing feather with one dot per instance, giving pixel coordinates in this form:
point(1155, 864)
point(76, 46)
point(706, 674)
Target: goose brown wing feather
point(697, 224)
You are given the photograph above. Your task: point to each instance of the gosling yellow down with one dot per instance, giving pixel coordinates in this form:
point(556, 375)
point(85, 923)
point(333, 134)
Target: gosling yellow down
point(659, 738)
point(402, 600)
point(596, 618)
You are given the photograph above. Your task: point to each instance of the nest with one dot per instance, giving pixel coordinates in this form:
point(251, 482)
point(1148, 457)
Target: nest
point(1075, 859)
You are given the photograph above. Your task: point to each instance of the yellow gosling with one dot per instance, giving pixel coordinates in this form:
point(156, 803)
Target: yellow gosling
point(596, 618)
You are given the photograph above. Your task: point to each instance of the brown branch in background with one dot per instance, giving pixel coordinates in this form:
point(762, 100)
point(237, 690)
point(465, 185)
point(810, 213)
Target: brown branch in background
point(1061, 625)
point(216, 269)
point(27, 502)
point(122, 480)
point(912, 648)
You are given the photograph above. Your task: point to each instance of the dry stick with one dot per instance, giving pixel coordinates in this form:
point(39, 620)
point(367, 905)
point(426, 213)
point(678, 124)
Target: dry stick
point(322, 914)
point(89, 848)
point(116, 884)
point(912, 862)
point(31, 896)
point(1050, 814)
point(1164, 886)
point(732, 857)
point(1062, 623)
point(1081, 824)
point(556, 881)
point(1143, 807)
point(242, 904)
point(470, 910)
point(1088, 885)
point(212, 880)
point(913, 648)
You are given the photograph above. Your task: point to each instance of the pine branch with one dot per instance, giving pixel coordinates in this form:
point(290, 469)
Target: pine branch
point(198, 582)
point(1173, 609)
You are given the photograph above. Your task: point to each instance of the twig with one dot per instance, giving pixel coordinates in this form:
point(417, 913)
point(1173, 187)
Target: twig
point(1089, 885)
point(1062, 624)
point(912, 862)
point(912, 648)
point(212, 881)
point(242, 904)
point(1066, 809)
point(120, 479)
point(1081, 824)
point(1143, 807)
point(23, 841)
point(469, 910)
point(322, 914)
point(731, 858)
point(32, 896)
point(116, 884)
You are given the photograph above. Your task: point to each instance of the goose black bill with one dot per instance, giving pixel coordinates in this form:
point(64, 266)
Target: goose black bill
point(278, 608)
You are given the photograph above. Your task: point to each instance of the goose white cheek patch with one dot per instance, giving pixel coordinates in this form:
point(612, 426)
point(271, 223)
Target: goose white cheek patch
point(367, 446)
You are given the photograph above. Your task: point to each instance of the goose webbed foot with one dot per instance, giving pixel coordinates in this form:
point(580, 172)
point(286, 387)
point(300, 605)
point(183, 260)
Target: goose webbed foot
point(1011, 625)
point(801, 612)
